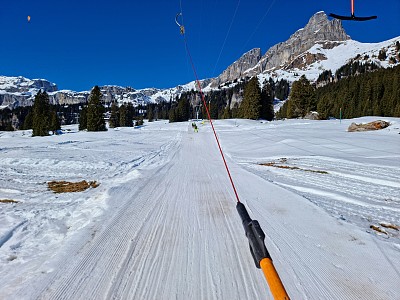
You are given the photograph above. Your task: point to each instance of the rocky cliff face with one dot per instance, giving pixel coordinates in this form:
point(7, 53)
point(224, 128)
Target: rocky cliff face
point(318, 29)
point(18, 91)
point(21, 84)
point(286, 54)
point(21, 91)
point(247, 61)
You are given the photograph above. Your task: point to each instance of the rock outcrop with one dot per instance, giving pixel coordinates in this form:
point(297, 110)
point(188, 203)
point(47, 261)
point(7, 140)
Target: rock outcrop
point(318, 29)
point(246, 62)
point(21, 84)
point(20, 91)
point(375, 125)
point(288, 54)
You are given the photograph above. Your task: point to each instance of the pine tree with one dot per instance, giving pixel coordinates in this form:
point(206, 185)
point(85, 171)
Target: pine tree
point(83, 118)
point(396, 112)
point(95, 117)
point(150, 113)
point(301, 99)
point(282, 112)
point(227, 113)
point(55, 124)
point(182, 113)
point(267, 102)
point(114, 116)
point(28, 122)
point(129, 115)
point(172, 115)
point(213, 110)
point(251, 104)
point(123, 116)
point(41, 115)
point(282, 90)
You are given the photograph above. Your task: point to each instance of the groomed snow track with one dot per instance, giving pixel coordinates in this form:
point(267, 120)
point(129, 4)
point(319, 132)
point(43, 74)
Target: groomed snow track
point(175, 234)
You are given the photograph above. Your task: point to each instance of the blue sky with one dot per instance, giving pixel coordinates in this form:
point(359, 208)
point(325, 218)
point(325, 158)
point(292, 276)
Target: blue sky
point(79, 44)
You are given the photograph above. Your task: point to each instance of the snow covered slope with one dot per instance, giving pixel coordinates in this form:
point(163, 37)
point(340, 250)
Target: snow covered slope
point(163, 225)
point(325, 58)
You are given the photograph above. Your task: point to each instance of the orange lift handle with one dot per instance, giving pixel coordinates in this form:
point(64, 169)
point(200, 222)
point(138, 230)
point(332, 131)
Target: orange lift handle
point(274, 282)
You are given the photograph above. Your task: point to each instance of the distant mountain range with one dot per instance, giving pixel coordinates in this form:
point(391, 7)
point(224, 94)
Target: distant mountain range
point(321, 45)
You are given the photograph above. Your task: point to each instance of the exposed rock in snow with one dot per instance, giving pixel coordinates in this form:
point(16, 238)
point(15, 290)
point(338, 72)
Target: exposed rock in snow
point(375, 125)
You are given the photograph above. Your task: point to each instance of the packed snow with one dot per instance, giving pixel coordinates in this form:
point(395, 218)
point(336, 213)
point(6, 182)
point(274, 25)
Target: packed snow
point(163, 224)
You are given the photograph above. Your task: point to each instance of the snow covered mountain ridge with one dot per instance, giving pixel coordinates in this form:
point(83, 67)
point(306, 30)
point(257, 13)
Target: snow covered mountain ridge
point(320, 46)
point(318, 28)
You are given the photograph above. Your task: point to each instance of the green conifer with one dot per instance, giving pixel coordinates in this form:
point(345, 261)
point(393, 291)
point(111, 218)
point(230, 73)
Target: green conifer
point(172, 115)
point(95, 112)
point(182, 110)
point(41, 115)
point(150, 113)
point(251, 104)
point(28, 122)
point(123, 120)
point(83, 118)
point(129, 114)
point(301, 99)
point(227, 113)
point(55, 124)
point(267, 102)
point(114, 116)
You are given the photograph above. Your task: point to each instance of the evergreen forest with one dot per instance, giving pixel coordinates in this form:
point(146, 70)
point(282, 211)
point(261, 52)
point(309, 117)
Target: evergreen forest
point(355, 91)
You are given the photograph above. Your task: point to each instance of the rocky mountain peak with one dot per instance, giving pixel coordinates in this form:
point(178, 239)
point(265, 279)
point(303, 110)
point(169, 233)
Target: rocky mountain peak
point(22, 84)
point(247, 61)
point(318, 29)
point(317, 21)
point(324, 30)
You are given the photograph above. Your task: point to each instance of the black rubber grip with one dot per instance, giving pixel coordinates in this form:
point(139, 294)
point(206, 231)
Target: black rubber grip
point(254, 234)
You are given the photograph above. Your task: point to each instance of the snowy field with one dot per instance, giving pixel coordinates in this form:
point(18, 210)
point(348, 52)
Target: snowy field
point(163, 224)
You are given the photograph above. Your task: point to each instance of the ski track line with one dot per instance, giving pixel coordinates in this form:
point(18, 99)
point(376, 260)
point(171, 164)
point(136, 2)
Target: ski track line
point(353, 186)
point(334, 280)
point(370, 199)
point(267, 133)
point(184, 230)
point(338, 197)
point(306, 262)
point(8, 235)
point(69, 286)
point(305, 272)
point(161, 246)
point(236, 240)
point(299, 265)
point(178, 236)
point(335, 195)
